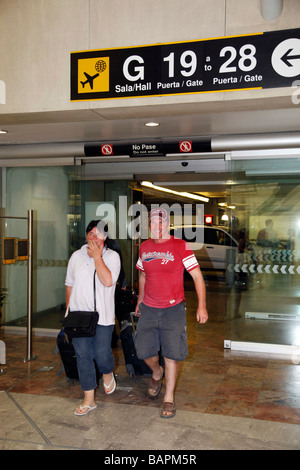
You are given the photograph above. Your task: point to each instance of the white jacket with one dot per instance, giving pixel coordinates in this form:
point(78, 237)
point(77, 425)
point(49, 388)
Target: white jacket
point(80, 274)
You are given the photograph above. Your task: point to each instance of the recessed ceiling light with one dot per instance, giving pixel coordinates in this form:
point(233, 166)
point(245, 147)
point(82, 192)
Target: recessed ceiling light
point(2, 131)
point(152, 124)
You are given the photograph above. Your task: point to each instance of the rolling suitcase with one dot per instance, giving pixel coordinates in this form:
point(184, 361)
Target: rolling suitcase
point(134, 365)
point(68, 357)
point(125, 302)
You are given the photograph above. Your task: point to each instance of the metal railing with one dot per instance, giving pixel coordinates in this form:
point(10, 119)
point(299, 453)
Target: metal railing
point(29, 356)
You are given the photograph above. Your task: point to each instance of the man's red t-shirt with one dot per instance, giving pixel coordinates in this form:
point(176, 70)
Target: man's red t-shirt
point(164, 264)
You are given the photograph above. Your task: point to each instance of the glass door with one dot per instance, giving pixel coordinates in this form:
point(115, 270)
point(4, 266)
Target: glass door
point(51, 193)
point(263, 305)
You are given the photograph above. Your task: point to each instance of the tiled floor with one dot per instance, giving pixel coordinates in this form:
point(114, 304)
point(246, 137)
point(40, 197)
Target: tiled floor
point(212, 381)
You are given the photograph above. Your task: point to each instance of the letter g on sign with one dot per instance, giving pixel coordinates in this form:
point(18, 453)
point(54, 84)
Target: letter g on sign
point(139, 69)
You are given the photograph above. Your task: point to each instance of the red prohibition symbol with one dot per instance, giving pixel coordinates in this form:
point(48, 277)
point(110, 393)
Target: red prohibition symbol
point(106, 149)
point(185, 146)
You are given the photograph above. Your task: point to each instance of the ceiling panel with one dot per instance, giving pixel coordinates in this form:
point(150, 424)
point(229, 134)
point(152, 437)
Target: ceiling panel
point(201, 119)
point(128, 123)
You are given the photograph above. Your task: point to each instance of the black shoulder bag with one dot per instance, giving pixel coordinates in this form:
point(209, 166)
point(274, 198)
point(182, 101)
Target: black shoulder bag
point(81, 324)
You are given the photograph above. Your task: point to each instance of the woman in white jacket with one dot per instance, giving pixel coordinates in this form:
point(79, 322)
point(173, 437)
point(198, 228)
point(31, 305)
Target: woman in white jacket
point(95, 255)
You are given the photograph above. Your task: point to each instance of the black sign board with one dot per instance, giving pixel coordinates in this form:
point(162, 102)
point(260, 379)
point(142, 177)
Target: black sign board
point(261, 60)
point(157, 147)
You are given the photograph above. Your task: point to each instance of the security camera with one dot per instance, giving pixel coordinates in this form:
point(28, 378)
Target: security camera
point(184, 163)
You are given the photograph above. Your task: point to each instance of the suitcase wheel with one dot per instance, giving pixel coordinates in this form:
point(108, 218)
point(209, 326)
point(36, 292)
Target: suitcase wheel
point(130, 370)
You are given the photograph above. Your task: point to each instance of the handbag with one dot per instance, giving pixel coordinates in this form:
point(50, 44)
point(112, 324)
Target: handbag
point(81, 324)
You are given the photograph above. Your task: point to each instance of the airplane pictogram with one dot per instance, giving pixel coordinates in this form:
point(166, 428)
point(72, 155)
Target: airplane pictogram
point(90, 79)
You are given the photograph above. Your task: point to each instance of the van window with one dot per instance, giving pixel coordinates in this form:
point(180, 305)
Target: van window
point(217, 237)
point(210, 237)
point(225, 239)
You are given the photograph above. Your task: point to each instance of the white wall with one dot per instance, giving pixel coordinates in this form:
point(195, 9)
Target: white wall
point(37, 36)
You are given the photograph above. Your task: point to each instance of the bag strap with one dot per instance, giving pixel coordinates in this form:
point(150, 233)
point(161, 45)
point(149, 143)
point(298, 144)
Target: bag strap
point(95, 291)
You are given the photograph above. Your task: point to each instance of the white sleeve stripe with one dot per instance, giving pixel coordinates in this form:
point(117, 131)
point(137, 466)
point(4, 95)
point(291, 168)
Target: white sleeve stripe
point(190, 262)
point(188, 257)
point(192, 266)
point(139, 265)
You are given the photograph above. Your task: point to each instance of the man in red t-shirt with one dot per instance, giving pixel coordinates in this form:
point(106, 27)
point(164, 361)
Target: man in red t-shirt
point(161, 305)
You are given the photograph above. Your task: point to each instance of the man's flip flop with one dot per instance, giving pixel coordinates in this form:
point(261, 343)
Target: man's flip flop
point(168, 408)
point(81, 407)
point(107, 387)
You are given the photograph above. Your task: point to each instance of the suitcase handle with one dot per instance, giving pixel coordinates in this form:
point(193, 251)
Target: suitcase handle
point(132, 314)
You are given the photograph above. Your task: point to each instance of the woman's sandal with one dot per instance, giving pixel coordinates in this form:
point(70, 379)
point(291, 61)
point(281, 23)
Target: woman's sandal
point(107, 387)
point(82, 413)
point(169, 408)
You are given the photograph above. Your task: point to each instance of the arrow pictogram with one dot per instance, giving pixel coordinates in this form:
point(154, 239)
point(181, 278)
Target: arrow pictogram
point(286, 58)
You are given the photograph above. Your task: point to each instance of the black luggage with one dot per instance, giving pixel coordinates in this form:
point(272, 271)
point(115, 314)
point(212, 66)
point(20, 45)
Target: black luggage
point(134, 365)
point(125, 302)
point(68, 356)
